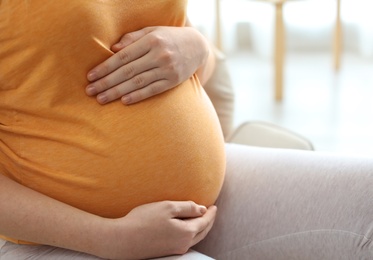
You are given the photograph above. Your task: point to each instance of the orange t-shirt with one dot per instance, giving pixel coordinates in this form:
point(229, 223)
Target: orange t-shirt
point(102, 159)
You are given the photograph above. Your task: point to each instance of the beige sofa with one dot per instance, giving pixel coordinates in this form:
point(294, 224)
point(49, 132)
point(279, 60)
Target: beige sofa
point(256, 133)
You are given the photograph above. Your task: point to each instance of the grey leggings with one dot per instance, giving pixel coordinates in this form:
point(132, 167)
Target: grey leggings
point(277, 204)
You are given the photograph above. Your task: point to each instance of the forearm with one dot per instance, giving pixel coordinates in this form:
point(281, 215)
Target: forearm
point(148, 231)
point(31, 216)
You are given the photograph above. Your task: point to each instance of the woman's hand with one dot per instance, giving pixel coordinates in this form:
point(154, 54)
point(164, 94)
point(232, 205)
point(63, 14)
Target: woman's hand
point(152, 230)
point(148, 62)
point(159, 229)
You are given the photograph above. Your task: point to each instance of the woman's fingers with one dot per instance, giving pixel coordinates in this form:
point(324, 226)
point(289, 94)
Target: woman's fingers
point(172, 227)
point(122, 57)
point(122, 75)
point(186, 209)
point(129, 90)
point(205, 226)
point(150, 90)
point(198, 219)
point(130, 38)
point(146, 63)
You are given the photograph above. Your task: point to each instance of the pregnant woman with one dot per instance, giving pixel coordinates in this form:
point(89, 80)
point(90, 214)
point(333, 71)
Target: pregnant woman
point(110, 148)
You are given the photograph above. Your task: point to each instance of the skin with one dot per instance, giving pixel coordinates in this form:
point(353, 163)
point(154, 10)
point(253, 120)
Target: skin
point(152, 230)
point(147, 62)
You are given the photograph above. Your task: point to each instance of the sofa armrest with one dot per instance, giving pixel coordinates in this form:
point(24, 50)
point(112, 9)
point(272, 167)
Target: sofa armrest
point(264, 134)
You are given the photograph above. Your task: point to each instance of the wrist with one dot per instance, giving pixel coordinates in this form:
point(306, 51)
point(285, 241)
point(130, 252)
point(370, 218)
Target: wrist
point(103, 232)
point(92, 238)
point(207, 65)
point(203, 45)
point(112, 239)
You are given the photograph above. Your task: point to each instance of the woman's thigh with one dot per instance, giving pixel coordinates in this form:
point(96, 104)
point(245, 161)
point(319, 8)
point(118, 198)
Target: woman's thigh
point(10, 251)
point(287, 204)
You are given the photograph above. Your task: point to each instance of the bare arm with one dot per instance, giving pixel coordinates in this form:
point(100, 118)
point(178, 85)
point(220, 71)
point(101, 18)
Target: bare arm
point(173, 227)
point(31, 216)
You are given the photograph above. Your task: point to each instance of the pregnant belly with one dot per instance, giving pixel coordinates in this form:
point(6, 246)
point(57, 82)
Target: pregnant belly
point(110, 160)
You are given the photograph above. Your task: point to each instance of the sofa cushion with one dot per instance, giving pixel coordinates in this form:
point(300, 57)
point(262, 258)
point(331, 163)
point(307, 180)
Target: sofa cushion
point(220, 90)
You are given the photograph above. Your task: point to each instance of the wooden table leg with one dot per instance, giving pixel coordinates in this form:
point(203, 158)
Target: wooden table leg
point(337, 45)
point(279, 51)
point(218, 29)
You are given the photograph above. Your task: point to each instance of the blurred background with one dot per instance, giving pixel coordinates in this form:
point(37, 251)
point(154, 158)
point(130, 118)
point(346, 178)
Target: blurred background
point(332, 108)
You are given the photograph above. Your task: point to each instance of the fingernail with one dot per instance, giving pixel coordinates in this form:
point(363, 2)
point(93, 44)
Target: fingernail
point(102, 98)
point(126, 100)
point(202, 209)
point(92, 76)
point(91, 90)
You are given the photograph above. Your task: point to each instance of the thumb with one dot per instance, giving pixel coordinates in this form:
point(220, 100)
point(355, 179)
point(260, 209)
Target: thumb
point(129, 38)
point(188, 209)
